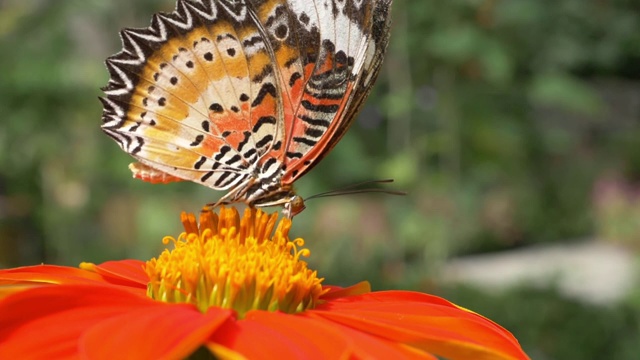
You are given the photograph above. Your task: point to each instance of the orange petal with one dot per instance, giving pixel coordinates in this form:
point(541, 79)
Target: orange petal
point(171, 332)
point(336, 292)
point(434, 325)
point(47, 321)
point(391, 300)
point(48, 274)
point(124, 272)
point(22, 278)
point(366, 346)
point(392, 295)
point(267, 335)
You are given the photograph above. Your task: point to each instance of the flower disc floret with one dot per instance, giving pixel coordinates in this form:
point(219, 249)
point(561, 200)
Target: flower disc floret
point(235, 263)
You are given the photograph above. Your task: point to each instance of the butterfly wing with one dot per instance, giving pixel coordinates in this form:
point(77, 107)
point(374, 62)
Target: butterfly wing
point(195, 95)
point(342, 45)
point(220, 91)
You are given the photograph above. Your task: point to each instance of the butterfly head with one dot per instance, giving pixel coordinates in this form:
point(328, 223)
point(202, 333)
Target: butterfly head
point(293, 206)
point(292, 203)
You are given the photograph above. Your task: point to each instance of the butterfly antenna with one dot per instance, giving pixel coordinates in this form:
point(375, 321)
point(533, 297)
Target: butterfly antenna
point(353, 189)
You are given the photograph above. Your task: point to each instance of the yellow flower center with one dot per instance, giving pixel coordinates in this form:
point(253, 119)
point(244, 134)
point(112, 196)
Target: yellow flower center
point(235, 263)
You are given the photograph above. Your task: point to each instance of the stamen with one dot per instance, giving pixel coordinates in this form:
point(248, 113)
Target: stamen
point(235, 263)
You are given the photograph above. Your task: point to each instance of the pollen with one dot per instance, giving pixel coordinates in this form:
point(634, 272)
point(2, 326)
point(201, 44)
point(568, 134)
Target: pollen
point(235, 262)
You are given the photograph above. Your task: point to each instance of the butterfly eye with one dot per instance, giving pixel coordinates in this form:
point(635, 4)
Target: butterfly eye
point(293, 207)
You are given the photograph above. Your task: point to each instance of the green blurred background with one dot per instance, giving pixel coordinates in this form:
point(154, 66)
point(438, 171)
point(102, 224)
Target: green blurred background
point(513, 125)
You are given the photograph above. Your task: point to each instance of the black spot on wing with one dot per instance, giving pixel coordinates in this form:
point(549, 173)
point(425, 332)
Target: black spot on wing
point(249, 153)
point(247, 136)
point(281, 31)
point(223, 150)
point(222, 178)
point(216, 108)
point(321, 95)
point(304, 18)
point(252, 41)
point(341, 58)
point(134, 127)
point(304, 140)
point(327, 109)
point(139, 147)
point(199, 163)
point(225, 36)
point(262, 121)
point(315, 122)
point(268, 164)
point(266, 89)
point(314, 133)
point(264, 141)
point(235, 158)
point(198, 140)
point(295, 76)
point(294, 155)
point(206, 176)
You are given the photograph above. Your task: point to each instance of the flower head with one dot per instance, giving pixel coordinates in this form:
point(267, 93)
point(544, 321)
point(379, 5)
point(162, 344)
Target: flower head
point(235, 264)
point(231, 287)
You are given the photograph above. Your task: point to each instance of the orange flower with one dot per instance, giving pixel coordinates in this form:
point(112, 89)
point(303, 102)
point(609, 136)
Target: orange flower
point(231, 288)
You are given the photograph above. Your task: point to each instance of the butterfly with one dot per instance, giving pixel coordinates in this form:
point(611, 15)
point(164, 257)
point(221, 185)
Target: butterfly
point(243, 95)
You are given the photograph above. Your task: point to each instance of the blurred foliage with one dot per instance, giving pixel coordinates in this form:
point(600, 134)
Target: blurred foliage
point(498, 117)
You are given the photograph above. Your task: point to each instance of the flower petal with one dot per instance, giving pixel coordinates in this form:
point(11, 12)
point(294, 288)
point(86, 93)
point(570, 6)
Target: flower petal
point(367, 346)
point(48, 274)
point(170, 331)
point(336, 292)
point(47, 321)
point(425, 322)
point(22, 278)
point(268, 335)
point(124, 272)
point(390, 300)
point(391, 295)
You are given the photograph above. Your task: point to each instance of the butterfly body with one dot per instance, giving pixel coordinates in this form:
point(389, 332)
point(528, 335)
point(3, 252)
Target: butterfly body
point(243, 96)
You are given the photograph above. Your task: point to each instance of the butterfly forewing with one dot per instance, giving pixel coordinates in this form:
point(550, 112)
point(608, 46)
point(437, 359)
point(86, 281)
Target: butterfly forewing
point(344, 70)
point(242, 95)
